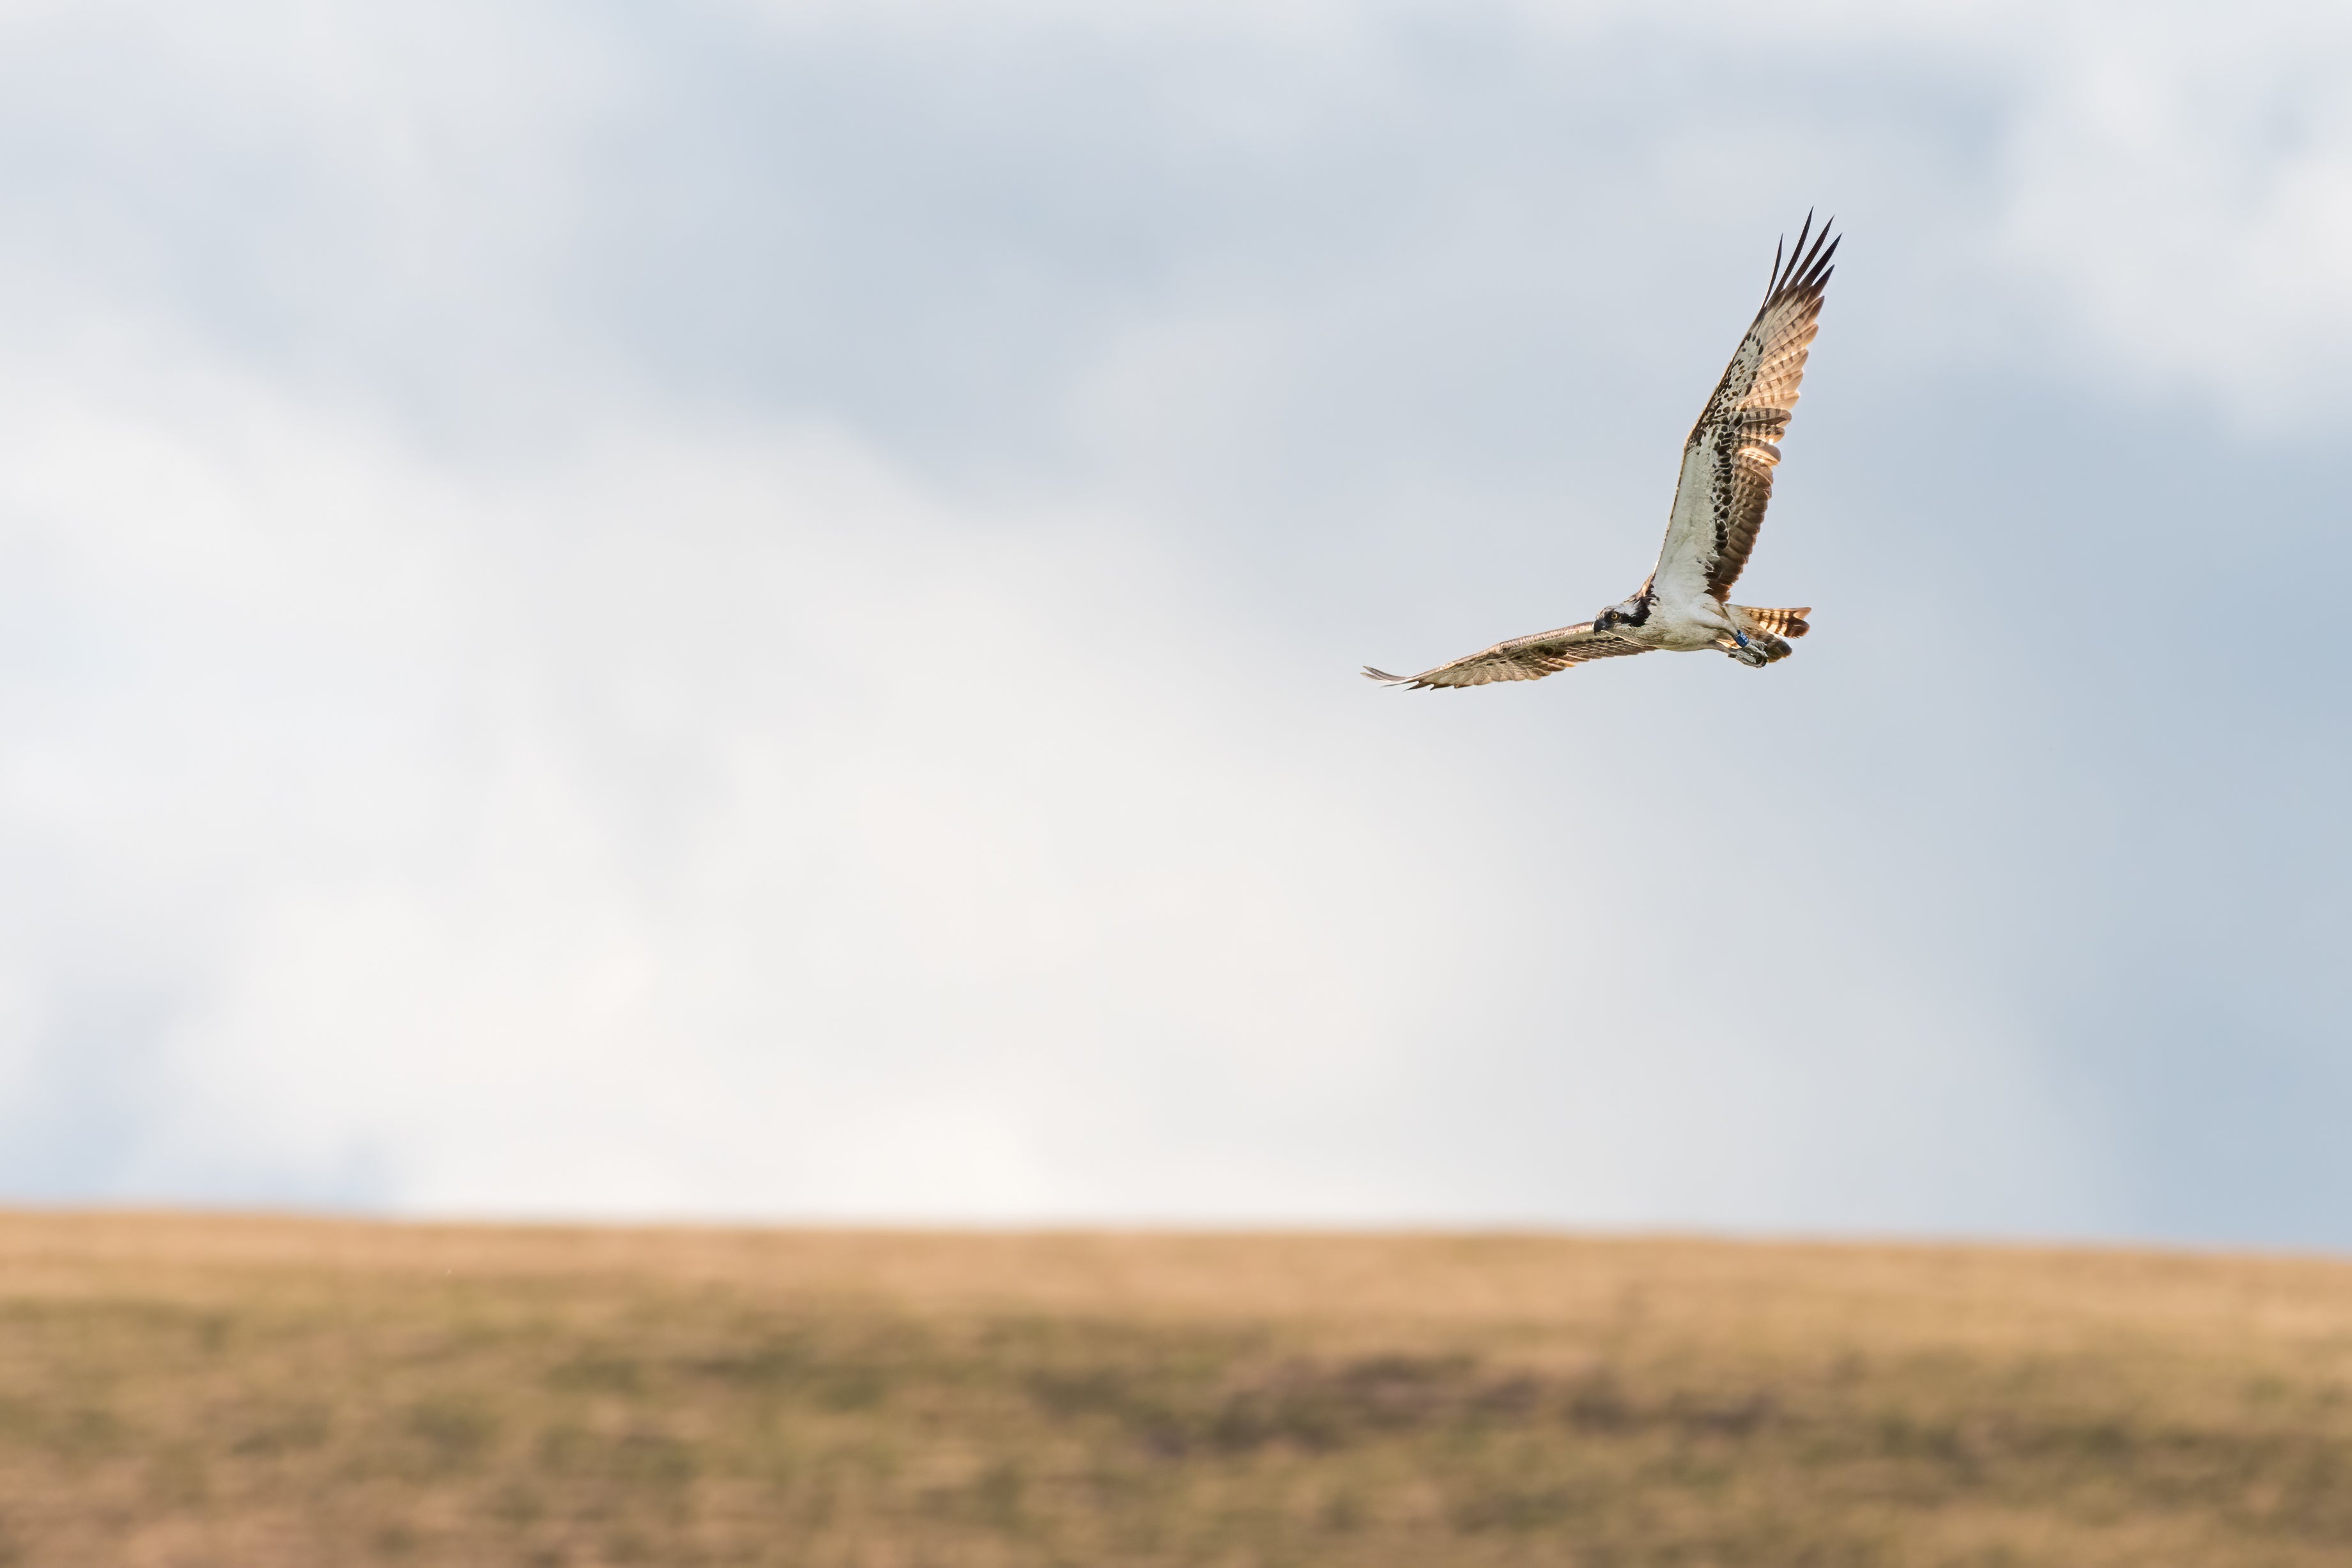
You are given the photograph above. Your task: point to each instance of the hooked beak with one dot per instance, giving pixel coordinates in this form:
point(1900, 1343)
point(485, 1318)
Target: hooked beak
point(1604, 620)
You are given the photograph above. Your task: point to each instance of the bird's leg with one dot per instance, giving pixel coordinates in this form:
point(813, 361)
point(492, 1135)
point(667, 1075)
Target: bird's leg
point(1745, 651)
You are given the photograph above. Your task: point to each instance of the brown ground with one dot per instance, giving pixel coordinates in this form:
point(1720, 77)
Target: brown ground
point(263, 1392)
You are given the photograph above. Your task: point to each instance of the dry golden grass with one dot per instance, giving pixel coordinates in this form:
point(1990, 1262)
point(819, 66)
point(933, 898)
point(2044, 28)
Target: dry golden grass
point(263, 1392)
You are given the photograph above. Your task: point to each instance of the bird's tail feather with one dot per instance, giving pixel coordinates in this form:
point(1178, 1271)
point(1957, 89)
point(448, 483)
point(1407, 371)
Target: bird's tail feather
point(1780, 623)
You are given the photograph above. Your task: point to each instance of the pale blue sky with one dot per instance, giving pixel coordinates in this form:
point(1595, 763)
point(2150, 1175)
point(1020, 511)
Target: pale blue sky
point(751, 610)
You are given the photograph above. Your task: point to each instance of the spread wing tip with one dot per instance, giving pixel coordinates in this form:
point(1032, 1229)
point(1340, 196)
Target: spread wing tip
point(1805, 272)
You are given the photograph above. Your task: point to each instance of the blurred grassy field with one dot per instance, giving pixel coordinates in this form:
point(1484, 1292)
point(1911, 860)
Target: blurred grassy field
point(260, 1392)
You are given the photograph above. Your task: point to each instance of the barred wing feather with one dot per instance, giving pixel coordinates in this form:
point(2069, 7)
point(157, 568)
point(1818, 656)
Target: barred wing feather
point(1521, 658)
point(1727, 474)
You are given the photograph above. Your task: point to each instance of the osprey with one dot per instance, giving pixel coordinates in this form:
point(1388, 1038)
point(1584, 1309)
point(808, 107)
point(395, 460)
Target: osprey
point(1720, 501)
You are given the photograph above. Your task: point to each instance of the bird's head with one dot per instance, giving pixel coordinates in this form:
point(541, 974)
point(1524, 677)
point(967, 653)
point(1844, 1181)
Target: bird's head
point(1627, 614)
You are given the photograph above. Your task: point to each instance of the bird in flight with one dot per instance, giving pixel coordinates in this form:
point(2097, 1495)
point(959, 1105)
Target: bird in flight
point(1726, 480)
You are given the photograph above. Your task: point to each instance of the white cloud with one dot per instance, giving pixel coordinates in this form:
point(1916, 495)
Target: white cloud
point(2186, 184)
point(711, 821)
point(698, 799)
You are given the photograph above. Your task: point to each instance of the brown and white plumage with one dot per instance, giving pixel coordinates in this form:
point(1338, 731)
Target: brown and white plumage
point(1728, 462)
point(1718, 509)
point(1521, 658)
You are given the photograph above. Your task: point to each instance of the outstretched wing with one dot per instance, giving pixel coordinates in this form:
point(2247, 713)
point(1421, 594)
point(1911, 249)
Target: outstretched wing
point(1521, 658)
point(1727, 479)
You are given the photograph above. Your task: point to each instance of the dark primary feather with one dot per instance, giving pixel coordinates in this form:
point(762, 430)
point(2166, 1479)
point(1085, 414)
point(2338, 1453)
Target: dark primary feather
point(1521, 658)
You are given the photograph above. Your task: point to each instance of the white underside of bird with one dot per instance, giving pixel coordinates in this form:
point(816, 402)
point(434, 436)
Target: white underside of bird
point(1720, 495)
